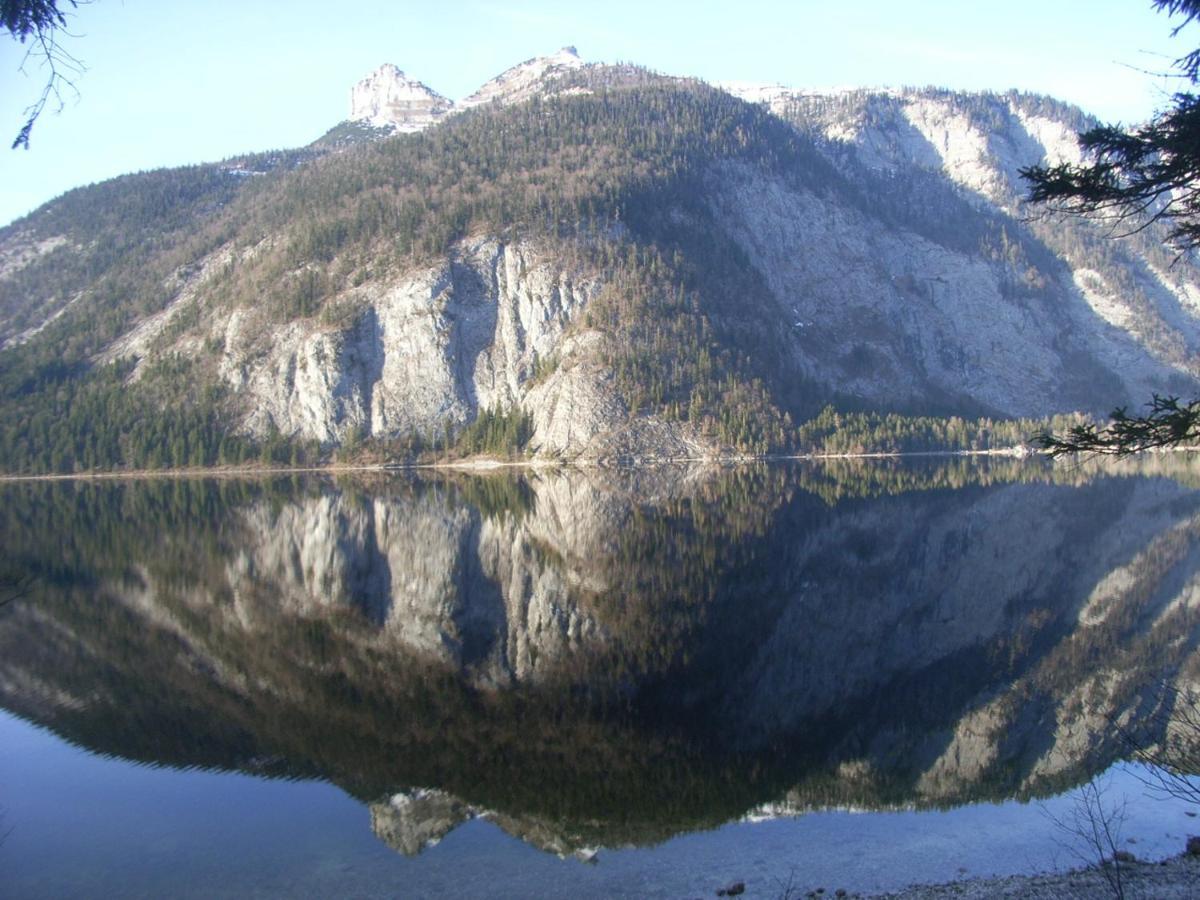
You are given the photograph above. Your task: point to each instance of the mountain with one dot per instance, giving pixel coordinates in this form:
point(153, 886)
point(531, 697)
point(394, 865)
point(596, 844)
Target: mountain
point(581, 261)
point(539, 77)
point(388, 102)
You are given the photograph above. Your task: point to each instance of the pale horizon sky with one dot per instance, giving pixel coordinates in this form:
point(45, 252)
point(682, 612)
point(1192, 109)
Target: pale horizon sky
point(173, 83)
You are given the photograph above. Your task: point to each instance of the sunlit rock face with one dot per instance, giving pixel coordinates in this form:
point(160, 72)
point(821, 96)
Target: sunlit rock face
point(438, 347)
point(1136, 319)
point(532, 78)
point(435, 348)
point(388, 98)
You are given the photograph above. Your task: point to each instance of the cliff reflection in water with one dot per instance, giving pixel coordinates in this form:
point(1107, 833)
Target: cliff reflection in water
point(600, 658)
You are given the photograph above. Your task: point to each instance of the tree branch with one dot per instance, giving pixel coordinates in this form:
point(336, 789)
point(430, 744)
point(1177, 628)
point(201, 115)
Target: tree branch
point(40, 22)
point(1168, 424)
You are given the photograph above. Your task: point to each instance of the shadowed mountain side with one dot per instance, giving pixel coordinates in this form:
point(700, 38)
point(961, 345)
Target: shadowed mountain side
point(594, 658)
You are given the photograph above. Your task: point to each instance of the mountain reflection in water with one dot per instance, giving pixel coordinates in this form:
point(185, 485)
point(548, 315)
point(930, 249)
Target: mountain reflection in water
point(601, 658)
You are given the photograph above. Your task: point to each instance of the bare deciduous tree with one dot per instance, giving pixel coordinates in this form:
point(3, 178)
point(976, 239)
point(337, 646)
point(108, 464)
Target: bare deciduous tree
point(1092, 825)
point(1167, 743)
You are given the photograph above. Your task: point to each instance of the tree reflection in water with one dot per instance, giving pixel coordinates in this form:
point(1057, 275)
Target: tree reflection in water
point(613, 657)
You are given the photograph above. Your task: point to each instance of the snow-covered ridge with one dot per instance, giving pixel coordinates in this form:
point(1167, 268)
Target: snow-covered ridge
point(387, 98)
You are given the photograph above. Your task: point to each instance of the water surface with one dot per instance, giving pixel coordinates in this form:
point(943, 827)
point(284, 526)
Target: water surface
point(623, 683)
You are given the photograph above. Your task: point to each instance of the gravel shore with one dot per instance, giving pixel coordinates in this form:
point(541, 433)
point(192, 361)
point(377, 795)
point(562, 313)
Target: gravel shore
point(1171, 879)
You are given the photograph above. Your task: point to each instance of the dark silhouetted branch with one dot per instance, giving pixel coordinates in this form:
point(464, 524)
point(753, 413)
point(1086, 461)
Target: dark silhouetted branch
point(1168, 424)
point(39, 23)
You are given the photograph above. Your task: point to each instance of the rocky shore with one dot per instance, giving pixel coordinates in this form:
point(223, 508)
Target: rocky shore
point(1170, 879)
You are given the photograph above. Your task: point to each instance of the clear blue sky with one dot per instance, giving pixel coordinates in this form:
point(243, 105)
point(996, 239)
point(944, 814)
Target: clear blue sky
point(178, 81)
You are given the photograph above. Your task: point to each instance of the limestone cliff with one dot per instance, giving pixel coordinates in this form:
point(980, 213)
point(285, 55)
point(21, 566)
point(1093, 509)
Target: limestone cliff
point(392, 103)
point(387, 98)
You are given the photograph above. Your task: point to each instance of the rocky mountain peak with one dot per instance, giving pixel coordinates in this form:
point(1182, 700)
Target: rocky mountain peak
point(389, 98)
point(526, 79)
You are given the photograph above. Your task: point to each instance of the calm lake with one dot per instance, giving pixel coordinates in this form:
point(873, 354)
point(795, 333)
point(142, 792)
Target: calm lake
point(610, 683)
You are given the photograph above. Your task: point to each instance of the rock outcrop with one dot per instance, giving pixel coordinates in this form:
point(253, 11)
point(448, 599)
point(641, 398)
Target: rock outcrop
point(532, 78)
point(433, 348)
point(390, 101)
point(387, 98)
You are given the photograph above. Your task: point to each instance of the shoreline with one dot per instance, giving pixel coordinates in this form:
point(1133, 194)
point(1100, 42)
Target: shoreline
point(485, 464)
point(1173, 878)
point(488, 464)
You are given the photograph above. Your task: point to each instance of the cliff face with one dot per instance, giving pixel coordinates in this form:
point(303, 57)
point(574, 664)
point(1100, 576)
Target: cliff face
point(875, 249)
point(388, 99)
point(495, 326)
point(1123, 299)
point(432, 347)
point(897, 319)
